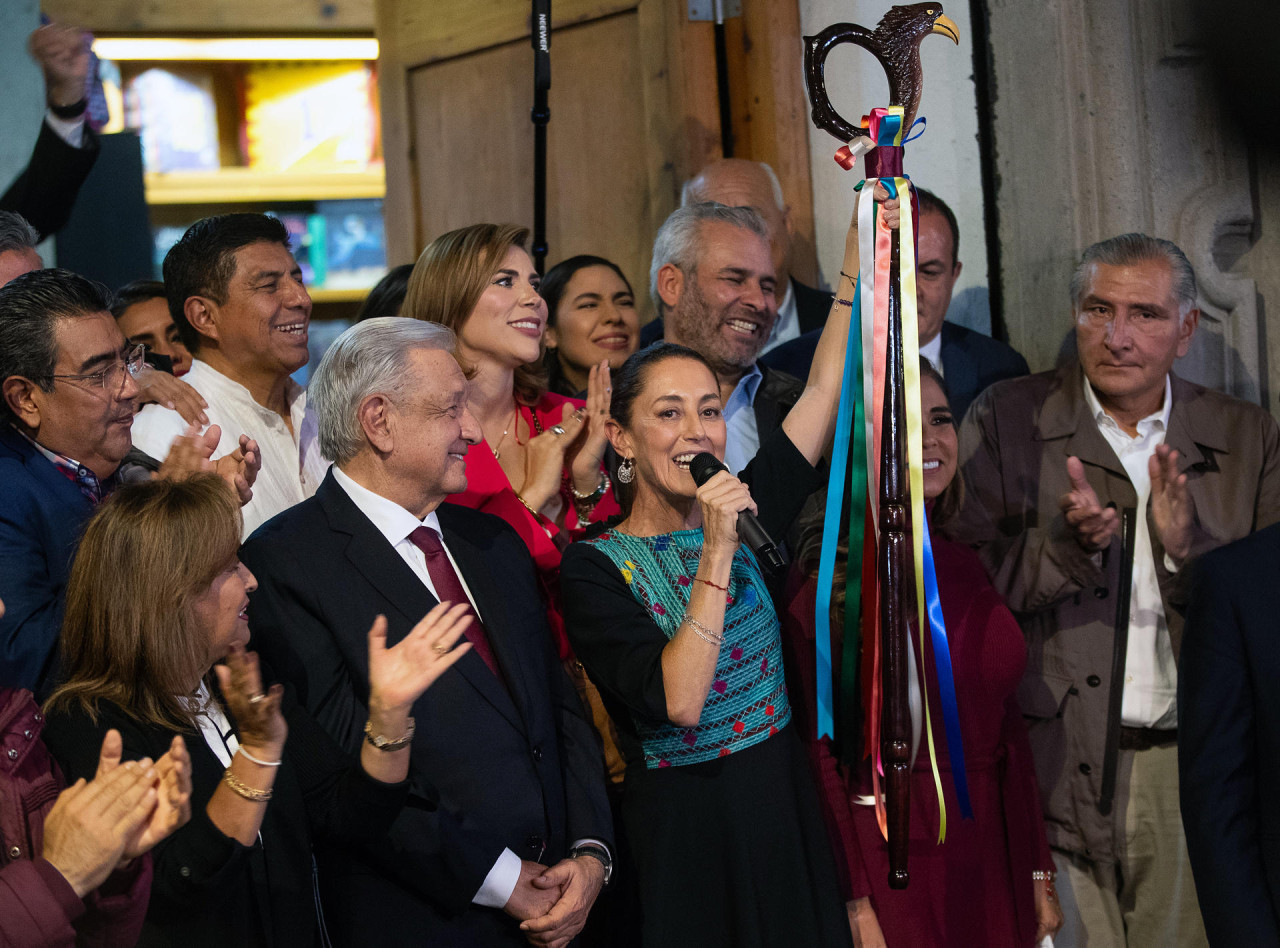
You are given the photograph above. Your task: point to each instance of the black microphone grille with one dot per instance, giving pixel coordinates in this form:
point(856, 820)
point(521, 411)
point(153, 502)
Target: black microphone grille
point(704, 466)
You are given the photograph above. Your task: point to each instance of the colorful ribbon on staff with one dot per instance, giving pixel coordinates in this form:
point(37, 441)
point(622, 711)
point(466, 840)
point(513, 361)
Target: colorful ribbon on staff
point(856, 456)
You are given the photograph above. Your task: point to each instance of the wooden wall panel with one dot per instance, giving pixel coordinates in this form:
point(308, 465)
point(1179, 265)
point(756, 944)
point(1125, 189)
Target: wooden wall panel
point(473, 143)
point(770, 111)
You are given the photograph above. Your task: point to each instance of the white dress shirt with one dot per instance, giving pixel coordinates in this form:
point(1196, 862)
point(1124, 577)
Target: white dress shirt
point(1150, 673)
point(292, 468)
point(932, 350)
point(787, 325)
point(70, 131)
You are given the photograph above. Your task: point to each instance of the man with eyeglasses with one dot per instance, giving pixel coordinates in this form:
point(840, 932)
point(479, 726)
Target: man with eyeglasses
point(1091, 492)
point(67, 376)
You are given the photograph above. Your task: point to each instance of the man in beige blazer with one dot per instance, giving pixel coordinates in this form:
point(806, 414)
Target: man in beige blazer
point(1090, 491)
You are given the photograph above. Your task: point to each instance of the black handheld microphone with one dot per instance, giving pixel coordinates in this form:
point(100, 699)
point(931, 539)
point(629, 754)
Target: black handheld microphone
point(705, 466)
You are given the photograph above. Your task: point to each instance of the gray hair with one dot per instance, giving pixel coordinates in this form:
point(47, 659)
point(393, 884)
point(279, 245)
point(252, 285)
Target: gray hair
point(679, 240)
point(692, 193)
point(369, 358)
point(16, 233)
point(1129, 249)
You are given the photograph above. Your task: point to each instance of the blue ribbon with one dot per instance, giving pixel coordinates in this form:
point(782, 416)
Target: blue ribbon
point(887, 131)
point(910, 138)
point(831, 521)
point(946, 684)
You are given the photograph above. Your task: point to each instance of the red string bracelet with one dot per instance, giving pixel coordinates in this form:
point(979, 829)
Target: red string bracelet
point(724, 589)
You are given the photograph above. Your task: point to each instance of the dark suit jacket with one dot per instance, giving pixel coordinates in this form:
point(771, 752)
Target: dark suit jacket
point(491, 767)
point(46, 190)
point(812, 307)
point(970, 360)
point(41, 516)
point(1229, 740)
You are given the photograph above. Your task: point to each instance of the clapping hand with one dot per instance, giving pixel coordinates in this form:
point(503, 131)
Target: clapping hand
point(240, 468)
point(173, 791)
point(1171, 506)
point(400, 674)
point(1092, 524)
point(586, 453)
point(544, 457)
point(260, 724)
point(192, 452)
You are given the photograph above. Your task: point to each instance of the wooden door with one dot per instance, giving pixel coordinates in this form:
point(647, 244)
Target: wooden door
point(633, 113)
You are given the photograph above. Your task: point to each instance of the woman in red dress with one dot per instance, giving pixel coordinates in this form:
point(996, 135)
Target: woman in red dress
point(541, 466)
point(991, 882)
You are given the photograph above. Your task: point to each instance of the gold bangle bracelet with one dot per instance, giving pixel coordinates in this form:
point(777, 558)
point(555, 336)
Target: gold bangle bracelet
point(242, 789)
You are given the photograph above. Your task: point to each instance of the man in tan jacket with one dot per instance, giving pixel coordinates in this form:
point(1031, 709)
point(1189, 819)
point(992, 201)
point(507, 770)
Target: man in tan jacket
point(1090, 491)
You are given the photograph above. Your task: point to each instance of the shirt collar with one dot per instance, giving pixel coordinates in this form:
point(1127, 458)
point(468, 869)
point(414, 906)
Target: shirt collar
point(73, 470)
point(389, 518)
point(744, 393)
point(203, 373)
point(1159, 417)
point(932, 350)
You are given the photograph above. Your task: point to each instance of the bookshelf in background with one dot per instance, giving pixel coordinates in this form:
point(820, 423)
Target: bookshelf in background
point(283, 126)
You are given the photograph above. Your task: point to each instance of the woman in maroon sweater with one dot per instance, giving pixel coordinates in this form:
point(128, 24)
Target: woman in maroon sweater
point(990, 883)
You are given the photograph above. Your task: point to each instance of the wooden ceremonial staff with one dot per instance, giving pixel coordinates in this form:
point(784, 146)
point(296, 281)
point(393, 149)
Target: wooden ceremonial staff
point(895, 42)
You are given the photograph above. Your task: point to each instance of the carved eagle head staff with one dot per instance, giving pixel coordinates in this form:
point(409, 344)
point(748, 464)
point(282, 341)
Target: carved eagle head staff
point(895, 42)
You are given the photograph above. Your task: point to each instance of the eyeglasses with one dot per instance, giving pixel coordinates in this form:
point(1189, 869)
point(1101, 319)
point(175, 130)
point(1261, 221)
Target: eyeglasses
point(112, 378)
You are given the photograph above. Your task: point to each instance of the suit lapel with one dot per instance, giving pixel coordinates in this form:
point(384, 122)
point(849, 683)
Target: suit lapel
point(378, 562)
point(492, 603)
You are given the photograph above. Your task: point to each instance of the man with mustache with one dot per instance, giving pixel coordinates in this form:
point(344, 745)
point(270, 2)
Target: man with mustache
point(237, 298)
point(67, 376)
point(1091, 492)
point(713, 280)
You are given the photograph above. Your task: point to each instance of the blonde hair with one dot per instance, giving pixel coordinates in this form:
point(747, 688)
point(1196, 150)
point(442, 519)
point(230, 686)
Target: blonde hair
point(449, 279)
point(128, 633)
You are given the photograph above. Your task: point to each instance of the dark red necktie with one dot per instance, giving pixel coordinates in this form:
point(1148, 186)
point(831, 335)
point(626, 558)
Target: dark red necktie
point(449, 589)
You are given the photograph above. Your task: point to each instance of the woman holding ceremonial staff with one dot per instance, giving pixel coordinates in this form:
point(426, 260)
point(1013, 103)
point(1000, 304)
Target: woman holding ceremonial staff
point(672, 618)
point(991, 881)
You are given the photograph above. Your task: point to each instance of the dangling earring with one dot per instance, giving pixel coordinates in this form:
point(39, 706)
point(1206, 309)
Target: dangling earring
point(627, 470)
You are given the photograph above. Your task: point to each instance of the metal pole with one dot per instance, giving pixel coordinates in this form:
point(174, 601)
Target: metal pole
point(540, 34)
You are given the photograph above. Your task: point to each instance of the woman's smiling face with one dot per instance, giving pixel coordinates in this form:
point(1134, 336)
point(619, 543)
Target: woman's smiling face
point(676, 415)
point(509, 318)
point(940, 441)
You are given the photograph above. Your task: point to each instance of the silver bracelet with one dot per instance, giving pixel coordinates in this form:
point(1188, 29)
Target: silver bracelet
point(704, 633)
point(260, 763)
point(1039, 875)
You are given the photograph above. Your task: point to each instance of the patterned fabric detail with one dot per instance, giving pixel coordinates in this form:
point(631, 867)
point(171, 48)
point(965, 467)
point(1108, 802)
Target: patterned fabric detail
point(747, 702)
point(94, 490)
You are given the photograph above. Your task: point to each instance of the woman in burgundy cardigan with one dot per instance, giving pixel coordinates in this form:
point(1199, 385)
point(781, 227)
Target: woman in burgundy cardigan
point(990, 883)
